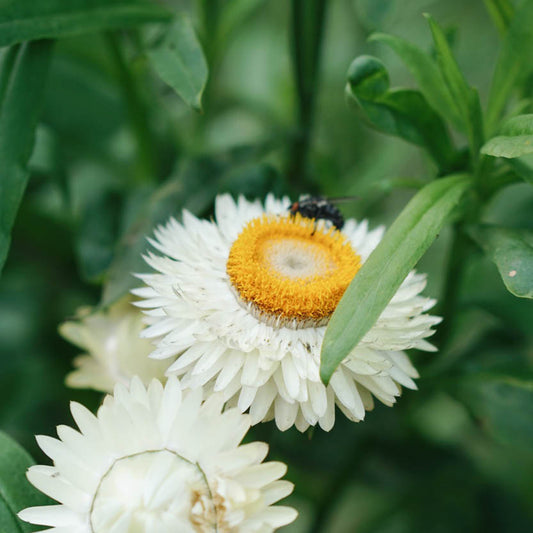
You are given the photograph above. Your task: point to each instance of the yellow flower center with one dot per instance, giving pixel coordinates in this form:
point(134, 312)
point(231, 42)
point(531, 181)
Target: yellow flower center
point(291, 271)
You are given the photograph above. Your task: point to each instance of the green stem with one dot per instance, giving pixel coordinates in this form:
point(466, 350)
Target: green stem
point(307, 22)
point(209, 12)
point(146, 168)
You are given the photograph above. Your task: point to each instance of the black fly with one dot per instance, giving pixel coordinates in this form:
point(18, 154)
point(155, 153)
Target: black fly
point(320, 208)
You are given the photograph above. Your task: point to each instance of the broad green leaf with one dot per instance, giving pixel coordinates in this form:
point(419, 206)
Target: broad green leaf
point(23, 72)
point(516, 138)
point(16, 493)
point(504, 405)
point(25, 20)
point(427, 75)
point(513, 64)
point(512, 252)
point(466, 98)
point(379, 278)
point(502, 12)
point(401, 112)
point(179, 60)
point(503, 146)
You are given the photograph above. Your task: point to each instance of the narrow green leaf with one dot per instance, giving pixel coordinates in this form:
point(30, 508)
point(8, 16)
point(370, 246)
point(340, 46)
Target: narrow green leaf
point(16, 493)
point(375, 284)
point(512, 252)
point(401, 112)
point(23, 73)
point(502, 12)
point(504, 405)
point(179, 60)
point(465, 97)
point(513, 64)
point(37, 19)
point(516, 138)
point(427, 75)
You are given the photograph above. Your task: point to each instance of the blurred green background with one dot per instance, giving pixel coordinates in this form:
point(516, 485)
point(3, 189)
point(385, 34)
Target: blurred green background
point(455, 456)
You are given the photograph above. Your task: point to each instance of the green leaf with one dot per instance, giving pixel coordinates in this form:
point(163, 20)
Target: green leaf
point(502, 12)
point(16, 493)
point(504, 404)
point(401, 112)
point(512, 252)
point(466, 98)
point(513, 64)
point(23, 74)
point(25, 20)
point(427, 75)
point(516, 139)
point(519, 125)
point(179, 60)
point(379, 278)
point(510, 147)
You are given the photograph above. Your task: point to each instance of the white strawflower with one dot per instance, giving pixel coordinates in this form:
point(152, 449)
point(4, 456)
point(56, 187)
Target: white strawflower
point(115, 351)
point(244, 302)
point(157, 460)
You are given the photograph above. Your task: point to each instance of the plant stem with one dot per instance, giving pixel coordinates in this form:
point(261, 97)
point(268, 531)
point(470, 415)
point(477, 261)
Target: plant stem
point(145, 171)
point(307, 24)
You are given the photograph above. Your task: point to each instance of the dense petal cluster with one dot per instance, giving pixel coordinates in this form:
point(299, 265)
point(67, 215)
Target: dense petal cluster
point(259, 360)
point(115, 351)
point(159, 460)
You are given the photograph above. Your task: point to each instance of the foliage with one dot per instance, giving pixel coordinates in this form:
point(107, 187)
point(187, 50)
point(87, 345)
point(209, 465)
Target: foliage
point(115, 115)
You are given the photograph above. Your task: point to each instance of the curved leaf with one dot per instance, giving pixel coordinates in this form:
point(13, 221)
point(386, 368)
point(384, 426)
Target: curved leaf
point(23, 75)
point(466, 98)
point(509, 147)
point(514, 64)
point(375, 284)
point(427, 75)
point(516, 139)
point(401, 112)
point(501, 12)
point(38, 19)
point(512, 252)
point(179, 60)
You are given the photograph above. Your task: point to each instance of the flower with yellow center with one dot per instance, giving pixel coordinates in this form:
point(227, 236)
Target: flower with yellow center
point(244, 302)
point(289, 271)
point(158, 460)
